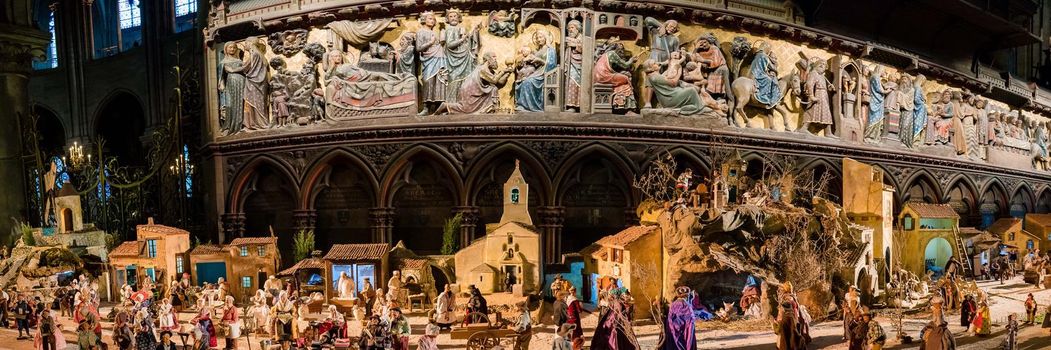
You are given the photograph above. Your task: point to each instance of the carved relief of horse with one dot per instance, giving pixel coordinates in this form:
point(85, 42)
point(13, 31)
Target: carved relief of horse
point(744, 93)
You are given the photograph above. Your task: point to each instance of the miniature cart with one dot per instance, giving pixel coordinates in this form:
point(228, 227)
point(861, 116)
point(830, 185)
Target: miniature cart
point(484, 335)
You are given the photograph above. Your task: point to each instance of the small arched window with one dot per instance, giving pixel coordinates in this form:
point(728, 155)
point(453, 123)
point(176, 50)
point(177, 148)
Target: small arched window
point(515, 192)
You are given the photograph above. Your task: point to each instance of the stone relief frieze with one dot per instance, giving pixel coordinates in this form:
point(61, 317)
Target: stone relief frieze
point(619, 63)
point(552, 152)
point(378, 155)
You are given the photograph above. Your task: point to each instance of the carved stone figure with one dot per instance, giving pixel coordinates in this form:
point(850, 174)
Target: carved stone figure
point(818, 114)
point(433, 72)
point(231, 89)
point(919, 111)
point(351, 90)
point(1041, 161)
point(479, 92)
point(764, 74)
point(502, 23)
point(970, 124)
point(959, 133)
point(677, 95)
point(406, 54)
point(256, 86)
point(613, 67)
point(906, 106)
point(574, 46)
point(378, 58)
point(712, 65)
point(279, 94)
point(996, 131)
point(850, 99)
point(461, 48)
point(664, 39)
point(529, 86)
point(288, 42)
point(875, 124)
point(939, 127)
point(764, 89)
point(891, 107)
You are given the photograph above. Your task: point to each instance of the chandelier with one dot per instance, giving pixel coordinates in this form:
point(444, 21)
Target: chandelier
point(179, 164)
point(76, 156)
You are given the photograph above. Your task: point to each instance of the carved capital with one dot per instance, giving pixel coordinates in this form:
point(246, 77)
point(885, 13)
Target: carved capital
point(551, 216)
point(233, 224)
point(19, 46)
point(305, 219)
point(470, 215)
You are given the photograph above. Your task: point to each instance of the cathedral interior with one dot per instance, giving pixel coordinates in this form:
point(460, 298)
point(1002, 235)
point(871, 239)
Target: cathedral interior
point(246, 118)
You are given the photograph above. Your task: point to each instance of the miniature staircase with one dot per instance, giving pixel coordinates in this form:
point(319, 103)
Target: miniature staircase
point(968, 270)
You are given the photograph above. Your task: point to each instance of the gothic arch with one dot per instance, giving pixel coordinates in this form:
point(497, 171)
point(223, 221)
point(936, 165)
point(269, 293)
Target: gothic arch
point(922, 187)
point(684, 158)
point(994, 193)
point(835, 182)
point(52, 131)
point(120, 120)
point(267, 198)
point(424, 187)
point(619, 162)
point(509, 151)
point(404, 159)
point(596, 192)
point(1022, 200)
point(311, 181)
point(235, 201)
point(962, 194)
point(1043, 203)
point(340, 188)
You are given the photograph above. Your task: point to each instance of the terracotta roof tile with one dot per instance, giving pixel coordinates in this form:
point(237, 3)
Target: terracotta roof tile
point(1001, 226)
point(154, 228)
point(414, 264)
point(308, 263)
point(372, 251)
point(970, 231)
point(206, 249)
point(253, 240)
point(854, 255)
point(627, 236)
point(590, 249)
point(127, 249)
point(937, 211)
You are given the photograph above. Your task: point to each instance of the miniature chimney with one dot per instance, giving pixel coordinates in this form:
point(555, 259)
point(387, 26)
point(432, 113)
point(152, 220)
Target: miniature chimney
point(149, 221)
point(516, 199)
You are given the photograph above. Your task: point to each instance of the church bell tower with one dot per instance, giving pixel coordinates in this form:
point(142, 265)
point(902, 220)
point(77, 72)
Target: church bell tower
point(516, 199)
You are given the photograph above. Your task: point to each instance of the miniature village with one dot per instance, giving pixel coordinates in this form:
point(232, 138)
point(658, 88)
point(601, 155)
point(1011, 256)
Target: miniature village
point(713, 255)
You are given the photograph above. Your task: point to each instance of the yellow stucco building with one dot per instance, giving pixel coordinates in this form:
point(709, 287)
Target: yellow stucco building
point(158, 252)
point(509, 248)
point(631, 259)
point(1040, 226)
point(929, 236)
point(1011, 233)
point(868, 202)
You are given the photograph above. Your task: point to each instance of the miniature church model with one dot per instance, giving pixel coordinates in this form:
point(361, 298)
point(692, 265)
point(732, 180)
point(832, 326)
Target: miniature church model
point(510, 249)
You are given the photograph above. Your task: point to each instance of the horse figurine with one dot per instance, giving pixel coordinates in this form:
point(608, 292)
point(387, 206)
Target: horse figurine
point(744, 90)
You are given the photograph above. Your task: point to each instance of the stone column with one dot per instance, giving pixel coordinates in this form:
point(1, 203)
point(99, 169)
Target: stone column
point(469, 225)
point(19, 45)
point(382, 223)
point(550, 225)
point(233, 226)
point(305, 219)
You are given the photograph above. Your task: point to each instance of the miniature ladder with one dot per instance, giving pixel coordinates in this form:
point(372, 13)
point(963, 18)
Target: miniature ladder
point(968, 270)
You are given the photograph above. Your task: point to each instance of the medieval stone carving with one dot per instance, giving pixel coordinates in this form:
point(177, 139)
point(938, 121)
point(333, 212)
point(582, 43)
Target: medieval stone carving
point(351, 91)
point(461, 48)
point(478, 93)
point(710, 64)
point(875, 124)
point(433, 73)
point(406, 54)
point(673, 93)
point(231, 89)
point(612, 77)
point(818, 115)
point(288, 42)
point(1041, 160)
point(574, 48)
point(764, 90)
point(256, 85)
point(292, 94)
point(664, 40)
point(502, 23)
point(532, 68)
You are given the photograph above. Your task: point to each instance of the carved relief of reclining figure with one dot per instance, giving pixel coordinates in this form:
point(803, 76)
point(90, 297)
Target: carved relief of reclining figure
point(349, 87)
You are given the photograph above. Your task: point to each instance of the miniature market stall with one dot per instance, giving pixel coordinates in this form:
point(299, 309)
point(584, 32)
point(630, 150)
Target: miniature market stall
point(362, 263)
point(308, 277)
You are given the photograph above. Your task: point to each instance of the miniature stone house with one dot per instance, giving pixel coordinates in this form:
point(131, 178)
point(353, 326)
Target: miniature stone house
point(509, 248)
point(68, 209)
point(613, 259)
point(1018, 240)
point(870, 203)
point(244, 264)
point(1040, 226)
point(930, 237)
point(158, 252)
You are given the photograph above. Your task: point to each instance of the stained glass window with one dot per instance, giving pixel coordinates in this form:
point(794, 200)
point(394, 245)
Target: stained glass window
point(61, 177)
point(130, 16)
point(185, 7)
point(104, 191)
point(52, 48)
